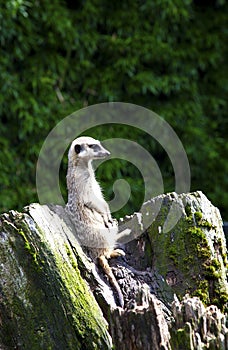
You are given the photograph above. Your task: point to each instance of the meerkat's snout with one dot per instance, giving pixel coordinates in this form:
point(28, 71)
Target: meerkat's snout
point(102, 152)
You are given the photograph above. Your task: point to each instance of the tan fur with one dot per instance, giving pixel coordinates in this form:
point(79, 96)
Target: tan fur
point(95, 227)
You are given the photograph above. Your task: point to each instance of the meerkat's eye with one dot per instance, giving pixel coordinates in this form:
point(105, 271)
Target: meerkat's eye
point(77, 148)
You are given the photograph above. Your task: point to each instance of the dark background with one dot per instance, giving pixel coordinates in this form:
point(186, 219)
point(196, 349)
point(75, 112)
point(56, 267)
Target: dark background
point(59, 56)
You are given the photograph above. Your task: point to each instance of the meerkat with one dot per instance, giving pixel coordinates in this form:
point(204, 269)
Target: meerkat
point(90, 213)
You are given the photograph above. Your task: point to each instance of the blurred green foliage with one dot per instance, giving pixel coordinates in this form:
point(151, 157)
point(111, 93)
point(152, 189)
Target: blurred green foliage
point(169, 56)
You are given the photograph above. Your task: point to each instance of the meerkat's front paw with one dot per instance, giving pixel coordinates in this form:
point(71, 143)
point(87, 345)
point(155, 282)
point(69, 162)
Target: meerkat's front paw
point(108, 222)
point(117, 252)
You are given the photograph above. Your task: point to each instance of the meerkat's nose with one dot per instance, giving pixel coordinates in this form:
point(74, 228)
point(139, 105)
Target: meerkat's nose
point(105, 152)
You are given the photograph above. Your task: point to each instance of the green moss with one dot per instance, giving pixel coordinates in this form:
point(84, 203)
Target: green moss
point(189, 259)
point(224, 259)
point(216, 263)
point(202, 292)
point(53, 308)
point(71, 258)
point(30, 249)
point(86, 318)
point(196, 234)
point(198, 216)
point(182, 338)
point(173, 255)
point(186, 251)
point(197, 243)
point(148, 254)
point(219, 242)
point(201, 222)
point(203, 252)
point(206, 224)
point(188, 210)
point(221, 300)
point(212, 269)
point(211, 273)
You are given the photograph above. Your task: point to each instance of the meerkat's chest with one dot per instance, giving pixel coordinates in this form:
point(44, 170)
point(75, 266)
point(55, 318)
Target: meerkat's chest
point(92, 191)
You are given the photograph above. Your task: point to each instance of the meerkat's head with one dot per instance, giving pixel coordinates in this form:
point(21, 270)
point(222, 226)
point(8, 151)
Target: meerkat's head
point(85, 149)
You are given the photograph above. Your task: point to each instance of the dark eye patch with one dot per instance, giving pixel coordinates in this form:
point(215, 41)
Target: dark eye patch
point(94, 147)
point(77, 148)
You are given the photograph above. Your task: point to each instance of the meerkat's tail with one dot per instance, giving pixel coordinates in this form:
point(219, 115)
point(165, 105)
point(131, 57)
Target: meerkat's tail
point(107, 269)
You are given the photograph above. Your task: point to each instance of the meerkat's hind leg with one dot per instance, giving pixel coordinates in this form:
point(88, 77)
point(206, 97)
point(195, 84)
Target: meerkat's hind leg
point(103, 262)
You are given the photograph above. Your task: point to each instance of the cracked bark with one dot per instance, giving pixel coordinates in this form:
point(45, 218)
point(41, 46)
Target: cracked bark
point(54, 297)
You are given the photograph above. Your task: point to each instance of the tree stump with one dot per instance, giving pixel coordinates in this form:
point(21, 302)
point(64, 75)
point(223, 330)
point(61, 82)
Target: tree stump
point(173, 280)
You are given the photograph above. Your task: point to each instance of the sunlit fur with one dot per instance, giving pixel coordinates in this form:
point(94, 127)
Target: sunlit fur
point(94, 225)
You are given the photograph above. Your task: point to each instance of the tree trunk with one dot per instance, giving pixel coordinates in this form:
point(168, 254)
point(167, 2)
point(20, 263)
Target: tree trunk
point(54, 297)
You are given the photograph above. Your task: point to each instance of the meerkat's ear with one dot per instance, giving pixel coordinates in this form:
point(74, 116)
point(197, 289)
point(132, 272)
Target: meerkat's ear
point(77, 148)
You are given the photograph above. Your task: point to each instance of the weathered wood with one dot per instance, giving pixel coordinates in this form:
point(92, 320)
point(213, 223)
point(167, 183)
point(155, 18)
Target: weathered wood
point(197, 326)
point(45, 303)
point(54, 297)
